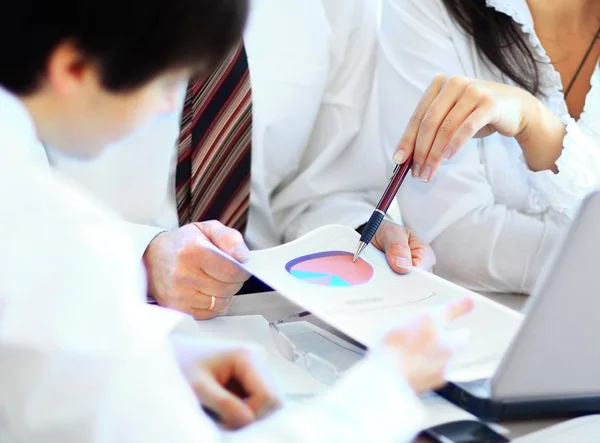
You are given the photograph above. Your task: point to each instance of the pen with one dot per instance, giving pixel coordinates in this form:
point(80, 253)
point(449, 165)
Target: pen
point(400, 173)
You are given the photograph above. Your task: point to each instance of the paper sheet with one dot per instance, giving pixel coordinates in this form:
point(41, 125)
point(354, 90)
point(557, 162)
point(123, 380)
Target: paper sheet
point(367, 299)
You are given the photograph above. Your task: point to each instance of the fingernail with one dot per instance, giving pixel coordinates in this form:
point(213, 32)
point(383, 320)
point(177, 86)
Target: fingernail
point(403, 262)
point(416, 169)
point(447, 153)
point(425, 173)
point(399, 156)
point(241, 252)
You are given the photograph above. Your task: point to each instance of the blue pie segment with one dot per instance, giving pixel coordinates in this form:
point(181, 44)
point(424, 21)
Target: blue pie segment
point(319, 278)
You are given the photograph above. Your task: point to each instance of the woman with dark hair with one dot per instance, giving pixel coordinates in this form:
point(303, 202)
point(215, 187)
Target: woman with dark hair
point(505, 139)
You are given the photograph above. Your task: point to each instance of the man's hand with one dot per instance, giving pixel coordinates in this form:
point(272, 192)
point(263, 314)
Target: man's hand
point(234, 383)
point(420, 345)
point(403, 248)
point(186, 275)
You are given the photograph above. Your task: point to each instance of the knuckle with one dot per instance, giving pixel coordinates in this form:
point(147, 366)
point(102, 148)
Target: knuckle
point(440, 79)
point(416, 117)
point(212, 223)
point(469, 128)
point(187, 252)
point(419, 156)
point(458, 81)
point(474, 92)
point(428, 123)
point(433, 159)
point(447, 128)
point(487, 100)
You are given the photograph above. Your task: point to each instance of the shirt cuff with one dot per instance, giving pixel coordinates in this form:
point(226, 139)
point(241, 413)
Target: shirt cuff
point(579, 172)
point(142, 236)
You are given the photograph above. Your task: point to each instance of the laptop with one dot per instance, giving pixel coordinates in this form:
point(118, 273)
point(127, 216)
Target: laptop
point(552, 366)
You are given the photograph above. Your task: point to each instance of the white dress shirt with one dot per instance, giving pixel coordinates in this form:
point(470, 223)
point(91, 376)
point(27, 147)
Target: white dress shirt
point(492, 222)
point(316, 156)
point(83, 358)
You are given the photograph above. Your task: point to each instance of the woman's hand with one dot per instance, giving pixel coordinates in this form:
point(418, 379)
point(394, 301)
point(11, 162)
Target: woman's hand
point(421, 348)
point(457, 109)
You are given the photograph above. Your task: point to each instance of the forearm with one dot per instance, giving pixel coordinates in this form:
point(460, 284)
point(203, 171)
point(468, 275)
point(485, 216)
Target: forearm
point(541, 138)
point(577, 170)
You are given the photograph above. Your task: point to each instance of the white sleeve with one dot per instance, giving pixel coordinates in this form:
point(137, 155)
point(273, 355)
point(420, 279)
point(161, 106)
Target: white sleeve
point(142, 236)
point(505, 249)
point(85, 359)
point(370, 404)
point(343, 170)
point(578, 165)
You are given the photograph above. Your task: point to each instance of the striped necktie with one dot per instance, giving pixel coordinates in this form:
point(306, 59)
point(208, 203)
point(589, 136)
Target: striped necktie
point(213, 167)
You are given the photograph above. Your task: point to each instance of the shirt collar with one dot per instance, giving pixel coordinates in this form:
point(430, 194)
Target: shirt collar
point(14, 117)
point(18, 135)
point(518, 10)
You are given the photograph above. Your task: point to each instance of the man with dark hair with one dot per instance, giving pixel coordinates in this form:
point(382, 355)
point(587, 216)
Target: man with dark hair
point(83, 358)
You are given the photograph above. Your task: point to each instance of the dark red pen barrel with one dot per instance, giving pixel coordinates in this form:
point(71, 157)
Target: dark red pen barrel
point(394, 185)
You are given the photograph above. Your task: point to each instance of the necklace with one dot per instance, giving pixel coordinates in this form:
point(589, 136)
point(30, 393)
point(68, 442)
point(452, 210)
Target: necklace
point(585, 57)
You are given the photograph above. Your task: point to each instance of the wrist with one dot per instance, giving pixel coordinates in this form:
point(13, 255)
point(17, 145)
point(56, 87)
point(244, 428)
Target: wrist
point(148, 262)
point(541, 136)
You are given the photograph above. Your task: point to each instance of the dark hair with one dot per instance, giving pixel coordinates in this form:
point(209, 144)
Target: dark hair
point(499, 39)
point(130, 41)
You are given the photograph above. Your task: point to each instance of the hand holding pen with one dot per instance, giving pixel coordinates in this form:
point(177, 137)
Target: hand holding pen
point(400, 173)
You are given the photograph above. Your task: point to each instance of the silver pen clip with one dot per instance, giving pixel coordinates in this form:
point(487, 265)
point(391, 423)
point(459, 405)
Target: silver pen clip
point(394, 172)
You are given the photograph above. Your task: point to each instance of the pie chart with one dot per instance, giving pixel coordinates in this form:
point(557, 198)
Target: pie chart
point(330, 268)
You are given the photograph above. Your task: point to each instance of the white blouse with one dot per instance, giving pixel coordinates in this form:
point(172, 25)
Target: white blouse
point(491, 221)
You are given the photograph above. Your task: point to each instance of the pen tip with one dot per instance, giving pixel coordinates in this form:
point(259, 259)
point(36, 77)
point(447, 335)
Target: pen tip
point(361, 247)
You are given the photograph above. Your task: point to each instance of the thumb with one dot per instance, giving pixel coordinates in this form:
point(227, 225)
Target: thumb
point(392, 239)
point(226, 239)
point(233, 412)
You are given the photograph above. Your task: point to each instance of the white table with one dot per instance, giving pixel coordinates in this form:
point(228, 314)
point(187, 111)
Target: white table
point(272, 306)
